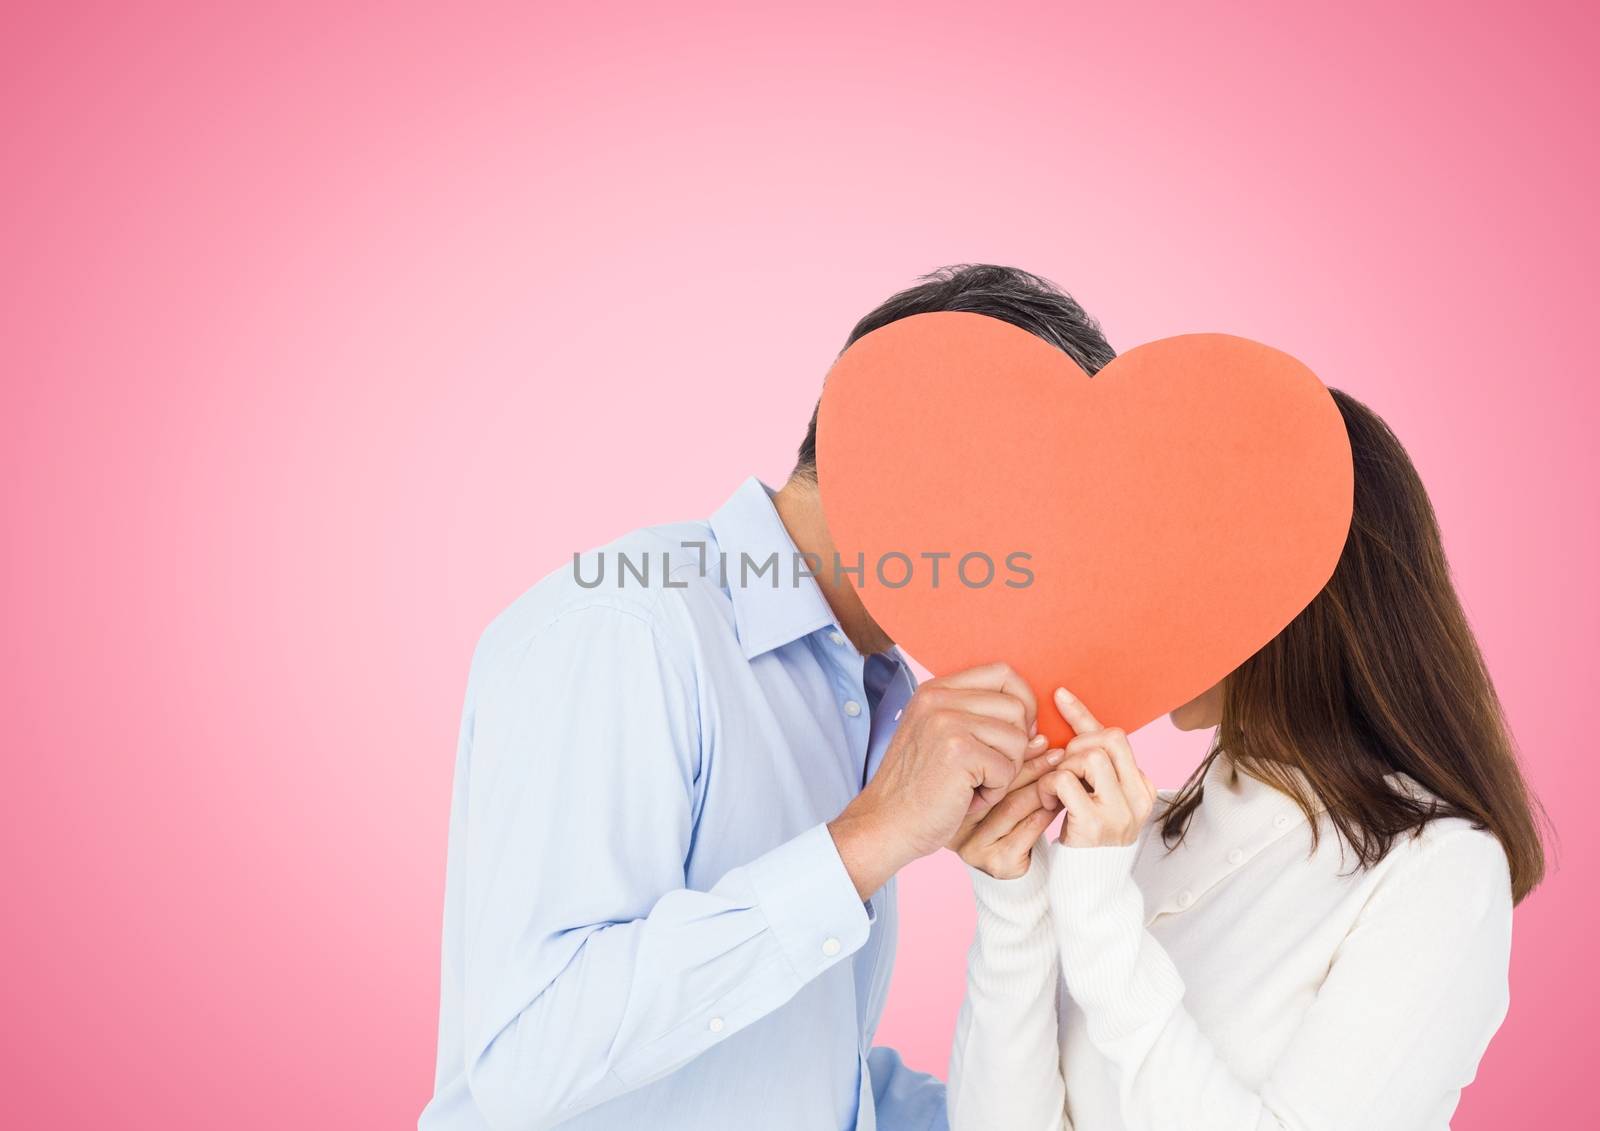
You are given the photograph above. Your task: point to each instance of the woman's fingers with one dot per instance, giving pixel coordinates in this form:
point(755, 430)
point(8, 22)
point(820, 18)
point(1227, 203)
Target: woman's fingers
point(1001, 840)
point(1137, 794)
point(1008, 857)
point(1103, 814)
point(1106, 795)
point(1098, 773)
point(1076, 714)
point(1019, 842)
point(1135, 783)
point(1128, 772)
point(1036, 762)
point(1114, 741)
point(1016, 807)
point(1108, 792)
point(1069, 788)
point(1082, 824)
point(1036, 767)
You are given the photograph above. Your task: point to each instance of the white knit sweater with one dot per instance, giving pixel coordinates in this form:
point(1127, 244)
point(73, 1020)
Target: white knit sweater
point(1239, 981)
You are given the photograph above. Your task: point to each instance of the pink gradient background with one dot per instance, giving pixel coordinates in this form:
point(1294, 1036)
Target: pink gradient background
point(326, 333)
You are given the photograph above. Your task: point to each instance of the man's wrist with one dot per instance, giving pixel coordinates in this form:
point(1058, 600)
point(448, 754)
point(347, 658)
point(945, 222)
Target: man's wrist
point(868, 850)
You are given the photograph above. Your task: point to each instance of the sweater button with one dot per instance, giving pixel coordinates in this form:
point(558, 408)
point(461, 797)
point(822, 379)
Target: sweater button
point(1236, 856)
point(1185, 898)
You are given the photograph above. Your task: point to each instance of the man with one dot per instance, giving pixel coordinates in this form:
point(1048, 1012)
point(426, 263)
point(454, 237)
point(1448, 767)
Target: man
point(680, 801)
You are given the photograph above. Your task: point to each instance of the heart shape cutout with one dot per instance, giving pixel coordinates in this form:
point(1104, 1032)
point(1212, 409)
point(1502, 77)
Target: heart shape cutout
point(1177, 510)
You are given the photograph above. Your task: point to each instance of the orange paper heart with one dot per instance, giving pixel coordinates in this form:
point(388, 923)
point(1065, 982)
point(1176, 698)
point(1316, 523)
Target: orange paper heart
point(1175, 512)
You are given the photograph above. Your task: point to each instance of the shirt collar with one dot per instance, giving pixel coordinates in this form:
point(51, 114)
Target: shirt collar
point(1235, 802)
point(779, 605)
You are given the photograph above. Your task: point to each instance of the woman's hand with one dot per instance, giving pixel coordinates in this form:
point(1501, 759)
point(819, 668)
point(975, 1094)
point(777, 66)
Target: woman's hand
point(1106, 795)
point(999, 840)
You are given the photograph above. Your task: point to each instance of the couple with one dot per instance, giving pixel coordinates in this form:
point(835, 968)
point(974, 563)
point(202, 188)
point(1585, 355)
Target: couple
point(679, 810)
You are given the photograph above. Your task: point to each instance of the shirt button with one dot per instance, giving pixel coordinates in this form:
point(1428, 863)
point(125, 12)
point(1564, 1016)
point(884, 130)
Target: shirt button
point(1236, 856)
point(830, 947)
point(1185, 898)
point(836, 636)
point(852, 708)
point(1281, 820)
point(715, 1025)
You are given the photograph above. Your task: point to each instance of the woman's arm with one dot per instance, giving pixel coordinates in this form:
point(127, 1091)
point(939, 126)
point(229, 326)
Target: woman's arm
point(1412, 997)
point(1410, 1001)
point(1005, 1066)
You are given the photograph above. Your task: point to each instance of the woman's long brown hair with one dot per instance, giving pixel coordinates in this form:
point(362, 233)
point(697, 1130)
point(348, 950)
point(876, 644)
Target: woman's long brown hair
point(1379, 675)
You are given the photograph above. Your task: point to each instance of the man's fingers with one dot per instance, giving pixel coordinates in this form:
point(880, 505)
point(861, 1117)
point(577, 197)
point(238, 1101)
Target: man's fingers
point(997, 677)
point(1076, 714)
point(991, 704)
point(992, 771)
point(1003, 738)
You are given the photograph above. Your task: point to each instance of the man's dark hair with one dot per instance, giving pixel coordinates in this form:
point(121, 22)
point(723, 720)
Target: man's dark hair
point(1034, 304)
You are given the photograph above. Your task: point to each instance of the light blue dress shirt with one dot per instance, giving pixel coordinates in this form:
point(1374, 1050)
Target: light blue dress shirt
point(647, 924)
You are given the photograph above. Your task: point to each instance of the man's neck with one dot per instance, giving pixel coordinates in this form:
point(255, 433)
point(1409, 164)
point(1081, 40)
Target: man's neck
point(799, 508)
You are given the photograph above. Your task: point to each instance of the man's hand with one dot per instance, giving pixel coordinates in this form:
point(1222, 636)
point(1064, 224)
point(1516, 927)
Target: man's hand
point(960, 742)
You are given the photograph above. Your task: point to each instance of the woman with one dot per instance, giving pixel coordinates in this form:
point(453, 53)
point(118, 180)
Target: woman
point(1313, 933)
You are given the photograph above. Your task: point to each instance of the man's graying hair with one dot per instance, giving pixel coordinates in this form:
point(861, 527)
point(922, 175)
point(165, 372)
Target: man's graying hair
point(1011, 295)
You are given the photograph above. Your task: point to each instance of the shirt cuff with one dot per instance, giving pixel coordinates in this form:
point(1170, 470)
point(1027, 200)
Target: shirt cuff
point(810, 902)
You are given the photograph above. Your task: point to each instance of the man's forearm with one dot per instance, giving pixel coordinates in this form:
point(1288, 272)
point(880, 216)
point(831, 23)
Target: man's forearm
point(641, 998)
